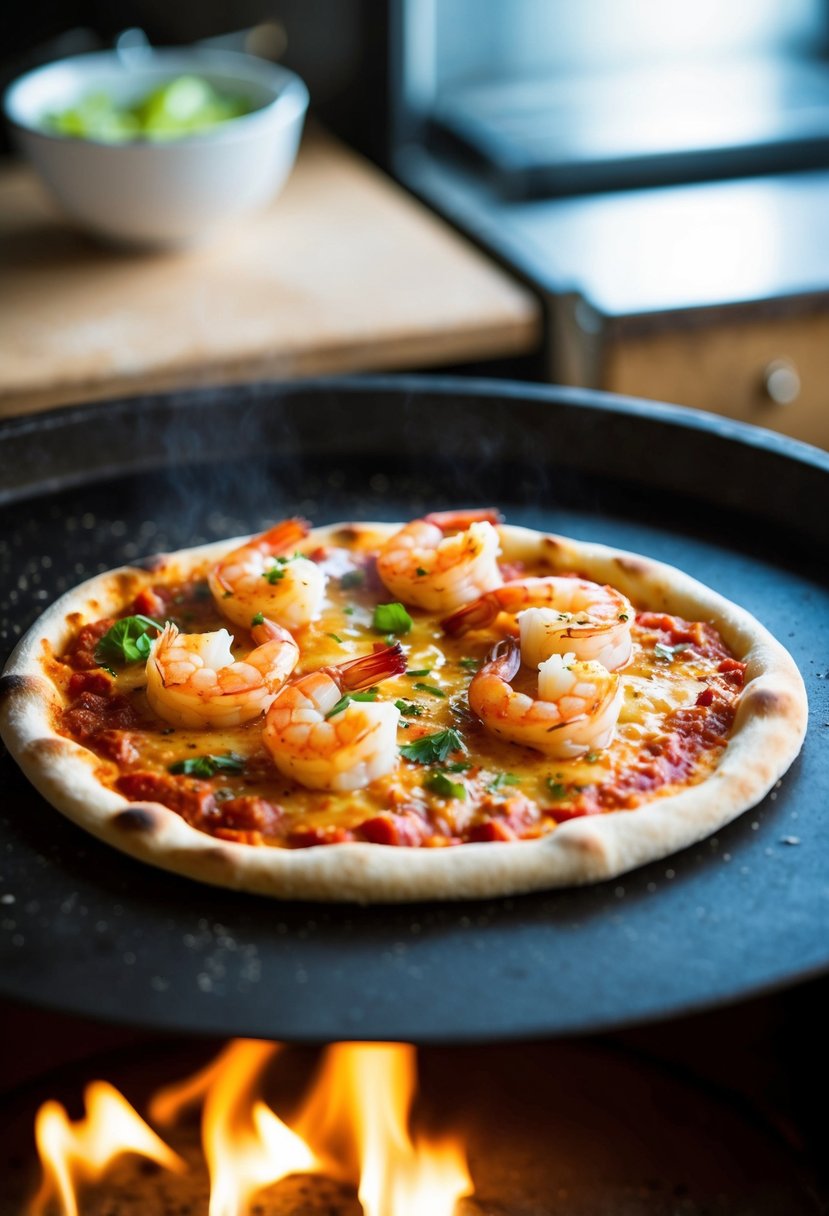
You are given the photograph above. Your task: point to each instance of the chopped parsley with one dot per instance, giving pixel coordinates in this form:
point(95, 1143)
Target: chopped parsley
point(259, 619)
point(277, 571)
point(335, 637)
point(470, 664)
point(369, 695)
point(502, 779)
point(423, 671)
point(420, 572)
point(208, 766)
point(433, 749)
point(409, 708)
point(440, 784)
point(556, 790)
point(391, 618)
point(430, 688)
point(128, 641)
point(352, 578)
point(593, 757)
point(668, 652)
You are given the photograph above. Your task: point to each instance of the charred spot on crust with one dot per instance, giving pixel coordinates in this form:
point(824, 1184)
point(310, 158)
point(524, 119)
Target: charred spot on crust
point(12, 684)
point(137, 819)
point(632, 565)
point(552, 542)
point(765, 702)
point(51, 747)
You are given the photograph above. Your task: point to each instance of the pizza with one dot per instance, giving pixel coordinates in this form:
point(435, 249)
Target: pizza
point(450, 708)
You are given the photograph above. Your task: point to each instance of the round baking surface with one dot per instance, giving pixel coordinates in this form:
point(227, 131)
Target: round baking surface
point(86, 929)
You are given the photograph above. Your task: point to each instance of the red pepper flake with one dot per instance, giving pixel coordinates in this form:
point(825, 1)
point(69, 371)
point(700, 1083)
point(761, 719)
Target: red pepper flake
point(705, 697)
point(407, 830)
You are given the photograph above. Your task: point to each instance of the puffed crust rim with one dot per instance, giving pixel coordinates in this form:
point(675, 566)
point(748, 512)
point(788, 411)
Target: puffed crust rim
point(768, 732)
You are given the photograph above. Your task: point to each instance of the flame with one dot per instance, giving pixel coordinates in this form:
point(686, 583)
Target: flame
point(72, 1153)
point(246, 1145)
point(353, 1125)
point(363, 1096)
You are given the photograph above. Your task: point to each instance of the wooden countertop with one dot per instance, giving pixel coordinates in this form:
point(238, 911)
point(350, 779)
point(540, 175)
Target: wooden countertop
point(343, 272)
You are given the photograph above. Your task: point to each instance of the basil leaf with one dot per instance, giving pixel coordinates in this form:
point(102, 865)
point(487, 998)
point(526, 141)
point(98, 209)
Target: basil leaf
point(208, 766)
point(391, 618)
point(128, 641)
point(440, 784)
point(433, 749)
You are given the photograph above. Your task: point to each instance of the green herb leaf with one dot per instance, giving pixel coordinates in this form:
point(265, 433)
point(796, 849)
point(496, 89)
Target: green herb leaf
point(433, 749)
point(391, 618)
point(208, 766)
point(470, 664)
point(502, 779)
point(274, 575)
point(128, 641)
point(259, 619)
point(420, 572)
point(423, 671)
point(668, 652)
point(409, 708)
point(352, 578)
point(593, 757)
point(440, 784)
point(556, 790)
point(369, 695)
point(335, 637)
point(430, 688)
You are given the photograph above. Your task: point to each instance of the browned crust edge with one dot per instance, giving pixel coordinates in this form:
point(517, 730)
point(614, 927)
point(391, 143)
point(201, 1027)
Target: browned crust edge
point(769, 729)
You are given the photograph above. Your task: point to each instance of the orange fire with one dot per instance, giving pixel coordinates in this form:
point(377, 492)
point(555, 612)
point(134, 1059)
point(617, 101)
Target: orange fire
point(77, 1153)
point(352, 1125)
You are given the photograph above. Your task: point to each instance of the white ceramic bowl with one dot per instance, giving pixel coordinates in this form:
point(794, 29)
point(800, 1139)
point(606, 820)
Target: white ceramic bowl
point(161, 193)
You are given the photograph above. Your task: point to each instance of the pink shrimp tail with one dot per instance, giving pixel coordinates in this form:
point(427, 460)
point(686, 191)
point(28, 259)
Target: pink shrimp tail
point(368, 669)
point(459, 521)
point(475, 615)
point(503, 660)
point(282, 536)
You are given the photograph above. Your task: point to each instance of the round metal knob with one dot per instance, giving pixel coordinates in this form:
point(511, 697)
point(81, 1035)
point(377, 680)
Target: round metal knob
point(781, 382)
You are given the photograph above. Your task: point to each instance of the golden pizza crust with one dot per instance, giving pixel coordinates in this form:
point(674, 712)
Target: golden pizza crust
point(768, 732)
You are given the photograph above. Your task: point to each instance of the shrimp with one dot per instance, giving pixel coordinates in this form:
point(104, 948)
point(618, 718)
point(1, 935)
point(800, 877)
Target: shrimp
point(259, 577)
point(193, 679)
point(556, 616)
point(327, 746)
point(575, 712)
point(424, 567)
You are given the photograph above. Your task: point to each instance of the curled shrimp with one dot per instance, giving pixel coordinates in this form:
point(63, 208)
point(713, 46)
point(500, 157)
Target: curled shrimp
point(423, 566)
point(266, 575)
point(575, 712)
point(193, 679)
point(342, 750)
point(557, 616)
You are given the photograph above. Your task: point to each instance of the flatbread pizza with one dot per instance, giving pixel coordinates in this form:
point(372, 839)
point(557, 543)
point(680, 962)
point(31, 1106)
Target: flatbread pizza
point(452, 708)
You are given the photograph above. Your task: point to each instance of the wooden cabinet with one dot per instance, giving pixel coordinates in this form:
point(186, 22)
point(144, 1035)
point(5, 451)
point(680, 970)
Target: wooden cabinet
point(767, 364)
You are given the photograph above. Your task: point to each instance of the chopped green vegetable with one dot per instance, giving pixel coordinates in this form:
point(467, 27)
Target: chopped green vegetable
point(668, 652)
point(440, 784)
point(128, 641)
point(502, 779)
point(274, 575)
point(186, 105)
point(420, 572)
point(433, 749)
point(592, 757)
point(423, 671)
point(259, 619)
point(369, 695)
point(410, 708)
point(335, 637)
point(430, 688)
point(352, 578)
point(470, 664)
point(391, 618)
point(555, 789)
point(208, 766)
